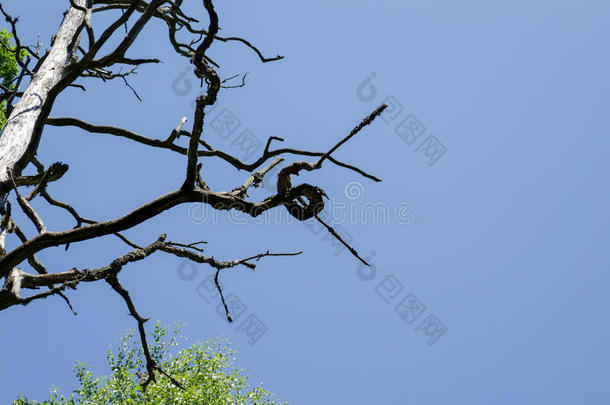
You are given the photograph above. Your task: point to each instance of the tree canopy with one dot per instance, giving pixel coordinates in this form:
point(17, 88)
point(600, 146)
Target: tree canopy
point(206, 372)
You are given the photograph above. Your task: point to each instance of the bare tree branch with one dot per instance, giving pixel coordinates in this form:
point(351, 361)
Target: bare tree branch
point(69, 60)
point(167, 144)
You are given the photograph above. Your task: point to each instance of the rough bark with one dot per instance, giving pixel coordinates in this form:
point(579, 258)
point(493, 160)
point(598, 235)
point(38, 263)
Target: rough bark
point(20, 136)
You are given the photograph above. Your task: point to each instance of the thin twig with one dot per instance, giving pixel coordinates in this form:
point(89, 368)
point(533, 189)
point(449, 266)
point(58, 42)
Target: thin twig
point(354, 131)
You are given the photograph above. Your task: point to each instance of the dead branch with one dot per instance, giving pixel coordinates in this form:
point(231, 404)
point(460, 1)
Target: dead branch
point(57, 69)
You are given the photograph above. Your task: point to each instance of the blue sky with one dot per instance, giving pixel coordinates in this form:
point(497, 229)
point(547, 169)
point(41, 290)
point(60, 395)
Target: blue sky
point(499, 243)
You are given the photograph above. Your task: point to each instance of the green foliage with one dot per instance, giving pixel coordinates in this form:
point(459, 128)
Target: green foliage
point(206, 372)
point(8, 67)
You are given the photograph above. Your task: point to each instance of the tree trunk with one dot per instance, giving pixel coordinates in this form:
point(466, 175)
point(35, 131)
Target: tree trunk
point(20, 136)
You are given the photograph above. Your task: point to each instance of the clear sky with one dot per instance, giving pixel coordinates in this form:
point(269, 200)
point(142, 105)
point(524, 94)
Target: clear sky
point(491, 283)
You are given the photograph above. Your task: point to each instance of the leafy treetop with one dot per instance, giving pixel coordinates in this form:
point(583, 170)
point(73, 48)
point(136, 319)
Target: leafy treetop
point(205, 371)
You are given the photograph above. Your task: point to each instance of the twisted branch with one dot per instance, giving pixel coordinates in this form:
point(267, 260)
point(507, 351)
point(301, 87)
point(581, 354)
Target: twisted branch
point(57, 70)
